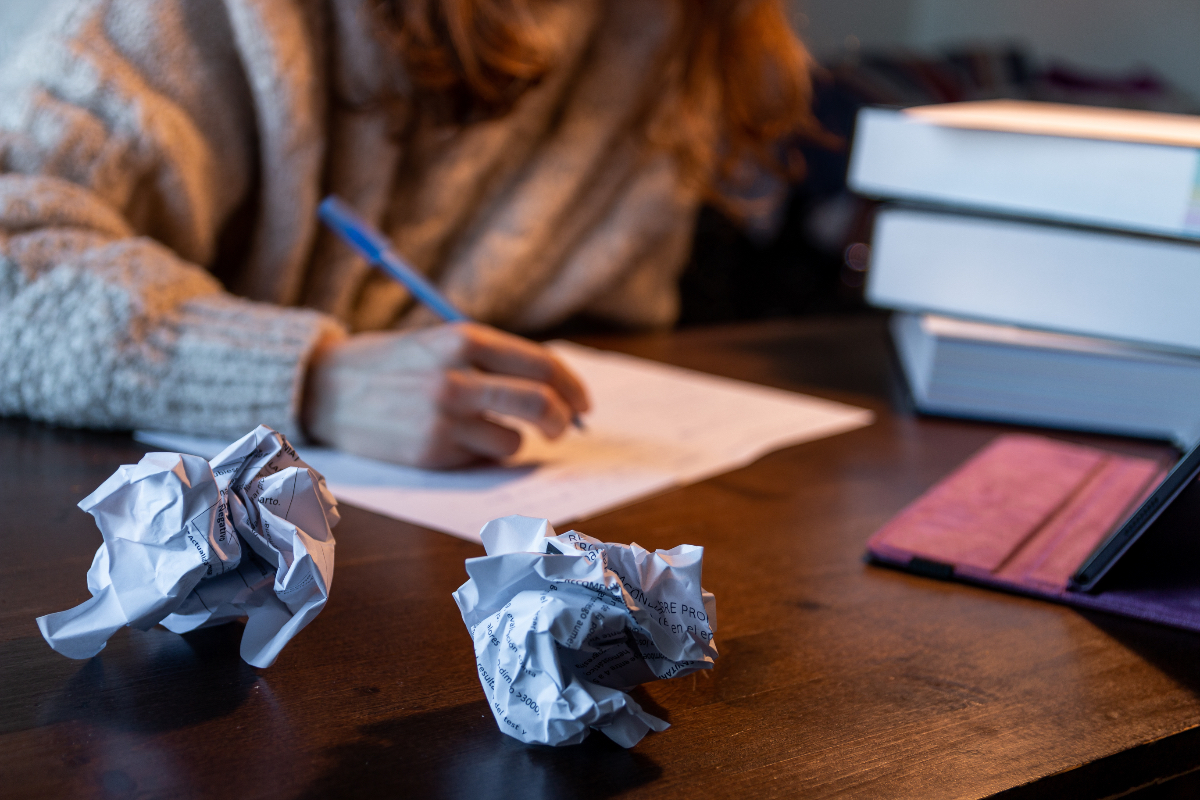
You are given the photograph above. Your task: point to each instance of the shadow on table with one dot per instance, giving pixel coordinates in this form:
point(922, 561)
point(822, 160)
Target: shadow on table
point(458, 752)
point(1164, 768)
point(855, 356)
point(1172, 651)
point(156, 681)
point(1161, 567)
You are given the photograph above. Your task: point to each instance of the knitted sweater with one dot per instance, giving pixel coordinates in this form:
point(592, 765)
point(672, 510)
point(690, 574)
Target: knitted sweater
point(161, 162)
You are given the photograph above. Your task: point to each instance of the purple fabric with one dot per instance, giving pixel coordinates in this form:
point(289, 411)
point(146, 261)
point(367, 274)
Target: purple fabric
point(1025, 512)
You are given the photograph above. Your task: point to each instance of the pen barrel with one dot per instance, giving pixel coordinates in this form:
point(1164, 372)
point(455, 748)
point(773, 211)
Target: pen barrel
point(376, 248)
point(420, 287)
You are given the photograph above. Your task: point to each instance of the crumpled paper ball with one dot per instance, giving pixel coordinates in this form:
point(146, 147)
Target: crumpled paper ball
point(190, 543)
point(565, 625)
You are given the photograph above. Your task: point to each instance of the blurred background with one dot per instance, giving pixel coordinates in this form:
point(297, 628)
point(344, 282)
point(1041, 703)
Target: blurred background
point(1105, 36)
point(1116, 36)
point(1125, 53)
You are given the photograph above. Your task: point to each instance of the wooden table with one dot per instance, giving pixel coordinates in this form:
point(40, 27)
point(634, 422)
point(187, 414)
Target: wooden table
point(835, 678)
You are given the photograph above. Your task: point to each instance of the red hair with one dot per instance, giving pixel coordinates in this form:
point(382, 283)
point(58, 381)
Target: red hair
point(480, 54)
point(740, 67)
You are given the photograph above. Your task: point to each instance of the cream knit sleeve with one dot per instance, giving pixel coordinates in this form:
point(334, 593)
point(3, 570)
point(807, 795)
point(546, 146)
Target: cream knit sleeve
point(124, 146)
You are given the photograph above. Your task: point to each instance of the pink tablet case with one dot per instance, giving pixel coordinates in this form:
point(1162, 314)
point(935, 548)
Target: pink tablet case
point(1023, 515)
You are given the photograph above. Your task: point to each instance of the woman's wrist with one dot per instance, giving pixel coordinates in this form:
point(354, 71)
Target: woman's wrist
point(310, 400)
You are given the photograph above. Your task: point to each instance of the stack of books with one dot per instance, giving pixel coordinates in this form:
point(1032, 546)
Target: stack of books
point(1045, 260)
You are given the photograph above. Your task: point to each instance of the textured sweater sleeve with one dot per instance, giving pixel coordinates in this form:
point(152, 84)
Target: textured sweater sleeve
point(126, 141)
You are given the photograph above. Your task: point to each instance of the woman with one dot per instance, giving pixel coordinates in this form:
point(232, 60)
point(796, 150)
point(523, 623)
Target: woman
point(161, 160)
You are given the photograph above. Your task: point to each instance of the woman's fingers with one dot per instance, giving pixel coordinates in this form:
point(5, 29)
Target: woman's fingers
point(502, 353)
point(469, 393)
point(449, 443)
point(485, 438)
point(423, 398)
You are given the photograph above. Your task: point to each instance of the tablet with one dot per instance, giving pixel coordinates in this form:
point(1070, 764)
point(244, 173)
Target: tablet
point(1120, 540)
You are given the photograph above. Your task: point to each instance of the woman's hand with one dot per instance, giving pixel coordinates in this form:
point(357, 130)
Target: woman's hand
point(424, 398)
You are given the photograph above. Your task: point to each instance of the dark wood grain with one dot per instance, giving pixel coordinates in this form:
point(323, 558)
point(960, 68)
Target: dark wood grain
point(835, 678)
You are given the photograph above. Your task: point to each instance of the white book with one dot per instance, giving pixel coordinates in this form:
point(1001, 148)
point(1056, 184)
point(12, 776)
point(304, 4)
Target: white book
point(1085, 282)
point(1127, 170)
point(1008, 374)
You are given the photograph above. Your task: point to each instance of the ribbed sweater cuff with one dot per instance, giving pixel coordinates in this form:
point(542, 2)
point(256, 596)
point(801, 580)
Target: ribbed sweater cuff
point(233, 364)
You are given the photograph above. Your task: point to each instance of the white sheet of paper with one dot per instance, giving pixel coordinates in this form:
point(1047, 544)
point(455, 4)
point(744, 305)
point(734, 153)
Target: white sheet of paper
point(652, 427)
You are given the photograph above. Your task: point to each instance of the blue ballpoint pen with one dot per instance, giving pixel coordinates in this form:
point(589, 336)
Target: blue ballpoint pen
point(374, 246)
point(359, 234)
